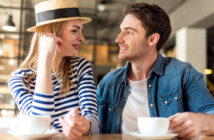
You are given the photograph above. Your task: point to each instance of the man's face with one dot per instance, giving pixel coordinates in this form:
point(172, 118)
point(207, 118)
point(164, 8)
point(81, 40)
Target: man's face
point(132, 39)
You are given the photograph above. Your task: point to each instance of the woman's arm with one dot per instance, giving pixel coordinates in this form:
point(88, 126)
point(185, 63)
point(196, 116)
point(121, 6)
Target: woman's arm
point(87, 95)
point(40, 100)
point(74, 124)
point(47, 49)
point(26, 99)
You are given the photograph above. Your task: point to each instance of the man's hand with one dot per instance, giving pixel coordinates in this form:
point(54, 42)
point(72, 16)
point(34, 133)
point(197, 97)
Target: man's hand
point(190, 125)
point(74, 125)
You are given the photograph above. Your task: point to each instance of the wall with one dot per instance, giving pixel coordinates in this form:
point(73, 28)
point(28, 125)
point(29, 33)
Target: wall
point(191, 14)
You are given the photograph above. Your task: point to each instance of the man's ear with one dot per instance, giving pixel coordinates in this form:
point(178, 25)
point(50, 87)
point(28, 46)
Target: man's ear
point(153, 39)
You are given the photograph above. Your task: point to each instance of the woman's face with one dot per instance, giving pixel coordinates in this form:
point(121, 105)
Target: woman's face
point(71, 35)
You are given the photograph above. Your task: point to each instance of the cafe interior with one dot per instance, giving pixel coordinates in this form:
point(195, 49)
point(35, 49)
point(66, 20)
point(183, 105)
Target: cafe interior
point(191, 39)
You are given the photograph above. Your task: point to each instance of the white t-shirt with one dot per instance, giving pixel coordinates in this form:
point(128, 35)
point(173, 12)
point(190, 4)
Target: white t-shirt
point(136, 106)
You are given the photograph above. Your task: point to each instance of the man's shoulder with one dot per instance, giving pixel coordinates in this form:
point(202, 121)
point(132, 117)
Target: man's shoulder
point(118, 72)
point(175, 64)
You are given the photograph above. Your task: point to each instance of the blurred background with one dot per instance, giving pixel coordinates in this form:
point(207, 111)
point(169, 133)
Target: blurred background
point(192, 38)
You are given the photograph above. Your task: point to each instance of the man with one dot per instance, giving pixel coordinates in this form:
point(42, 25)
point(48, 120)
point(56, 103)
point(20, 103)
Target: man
point(151, 85)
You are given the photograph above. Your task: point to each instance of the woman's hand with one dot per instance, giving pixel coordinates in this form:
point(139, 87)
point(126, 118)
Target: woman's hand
point(74, 125)
point(48, 44)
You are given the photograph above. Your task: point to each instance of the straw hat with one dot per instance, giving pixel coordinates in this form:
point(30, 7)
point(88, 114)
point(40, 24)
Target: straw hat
point(56, 10)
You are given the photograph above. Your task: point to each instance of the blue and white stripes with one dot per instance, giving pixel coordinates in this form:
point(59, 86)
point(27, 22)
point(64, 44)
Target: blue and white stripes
point(82, 95)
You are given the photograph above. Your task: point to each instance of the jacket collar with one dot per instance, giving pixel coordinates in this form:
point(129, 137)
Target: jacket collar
point(158, 67)
point(126, 68)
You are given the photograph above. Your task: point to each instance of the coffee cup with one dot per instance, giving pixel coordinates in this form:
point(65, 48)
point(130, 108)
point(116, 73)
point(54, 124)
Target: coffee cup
point(153, 125)
point(34, 124)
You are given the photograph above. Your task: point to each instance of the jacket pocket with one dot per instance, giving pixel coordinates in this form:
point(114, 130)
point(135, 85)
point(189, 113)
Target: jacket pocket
point(171, 103)
point(106, 115)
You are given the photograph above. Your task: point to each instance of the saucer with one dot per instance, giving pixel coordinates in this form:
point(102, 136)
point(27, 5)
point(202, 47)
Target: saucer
point(49, 133)
point(166, 136)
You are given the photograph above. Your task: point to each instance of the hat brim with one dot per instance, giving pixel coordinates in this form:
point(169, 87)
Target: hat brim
point(35, 28)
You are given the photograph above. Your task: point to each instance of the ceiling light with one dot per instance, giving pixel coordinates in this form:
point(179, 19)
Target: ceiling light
point(101, 7)
point(11, 62)
point(104, 1)
point(208, 71)
point(9, 24)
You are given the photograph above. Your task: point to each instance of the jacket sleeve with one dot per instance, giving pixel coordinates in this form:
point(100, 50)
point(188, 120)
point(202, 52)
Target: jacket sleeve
point(100, 111)
point(27, 101)
point(87, 95)
point(197, 95)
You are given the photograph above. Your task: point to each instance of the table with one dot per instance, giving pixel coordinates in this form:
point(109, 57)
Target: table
point(5, 136)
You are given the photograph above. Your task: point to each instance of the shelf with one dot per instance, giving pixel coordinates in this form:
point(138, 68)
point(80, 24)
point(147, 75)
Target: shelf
point(18, 33)
point(16, 8)
point(7, 106)
point(12, 50)
point(4, 77)
point(4, 90)
point(4, 57)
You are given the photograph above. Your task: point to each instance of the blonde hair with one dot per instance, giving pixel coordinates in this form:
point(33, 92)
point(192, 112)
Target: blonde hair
point(62, 73)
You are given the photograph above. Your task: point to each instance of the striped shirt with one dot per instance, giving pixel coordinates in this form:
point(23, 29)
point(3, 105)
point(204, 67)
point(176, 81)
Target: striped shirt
point(82, 95)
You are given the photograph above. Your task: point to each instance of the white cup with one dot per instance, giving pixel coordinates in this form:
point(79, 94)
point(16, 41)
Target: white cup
point(153, 125)
point(34, 124)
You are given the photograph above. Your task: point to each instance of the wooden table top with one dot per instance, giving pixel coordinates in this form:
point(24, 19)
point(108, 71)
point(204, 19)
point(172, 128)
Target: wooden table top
point(5, 136)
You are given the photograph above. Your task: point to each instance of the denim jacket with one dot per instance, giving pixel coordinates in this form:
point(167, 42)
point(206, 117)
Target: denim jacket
point(173, 86)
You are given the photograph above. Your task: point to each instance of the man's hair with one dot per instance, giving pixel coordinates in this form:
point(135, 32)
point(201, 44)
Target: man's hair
point(153, 19)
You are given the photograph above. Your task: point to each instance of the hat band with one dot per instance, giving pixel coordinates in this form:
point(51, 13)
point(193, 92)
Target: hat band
point(58, 13)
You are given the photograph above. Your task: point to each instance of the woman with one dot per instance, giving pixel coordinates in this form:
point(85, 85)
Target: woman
point(52, 80)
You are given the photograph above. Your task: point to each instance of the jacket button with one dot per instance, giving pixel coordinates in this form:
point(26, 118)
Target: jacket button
point(150, 85)
point(176, 98)
point(118, 110)
point(165, 102)
point(151, 105)
point(102, 106)
point(110, 109)
point(126, 92)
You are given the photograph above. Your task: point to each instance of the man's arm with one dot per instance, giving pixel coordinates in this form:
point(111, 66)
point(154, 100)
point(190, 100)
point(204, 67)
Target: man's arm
point(196, 96)
point(198, 100)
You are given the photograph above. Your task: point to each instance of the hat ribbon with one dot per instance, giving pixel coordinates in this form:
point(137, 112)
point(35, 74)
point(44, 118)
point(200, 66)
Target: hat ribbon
point(57, 13)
